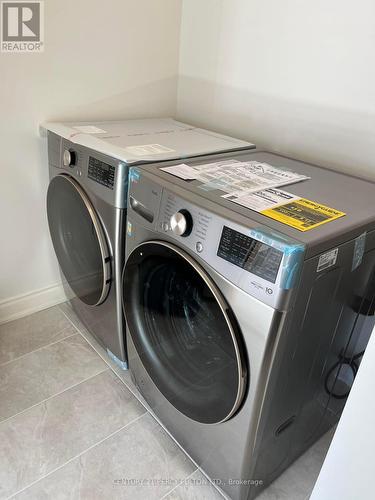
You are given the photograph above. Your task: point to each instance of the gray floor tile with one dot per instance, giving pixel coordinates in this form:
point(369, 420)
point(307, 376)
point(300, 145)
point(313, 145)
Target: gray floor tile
point(124, 375)
point(43, 373)
point(141, 451)
point(32, 332)
point(43, 438)
point(196, 487)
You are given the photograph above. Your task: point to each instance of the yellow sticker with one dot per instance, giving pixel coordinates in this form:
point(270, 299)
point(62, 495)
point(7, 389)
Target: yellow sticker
point(303, 214)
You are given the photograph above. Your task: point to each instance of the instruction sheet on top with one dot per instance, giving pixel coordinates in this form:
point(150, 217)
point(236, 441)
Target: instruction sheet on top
point(236, 178)
point(263, 200)
point(255, 185)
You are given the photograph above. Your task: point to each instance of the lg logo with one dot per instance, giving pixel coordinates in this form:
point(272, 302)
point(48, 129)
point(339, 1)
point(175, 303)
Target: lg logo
point(258, 286)
point(22, 26)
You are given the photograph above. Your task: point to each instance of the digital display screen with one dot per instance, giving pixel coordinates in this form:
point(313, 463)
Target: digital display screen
point(249, 254)
point(101, 172)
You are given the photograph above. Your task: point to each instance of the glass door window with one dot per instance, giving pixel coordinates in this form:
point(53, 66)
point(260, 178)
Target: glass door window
point(184, 332)
point(78, 240)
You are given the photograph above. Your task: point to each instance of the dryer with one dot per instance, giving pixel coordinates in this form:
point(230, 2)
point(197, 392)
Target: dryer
point(244, 333)
point(86, 206)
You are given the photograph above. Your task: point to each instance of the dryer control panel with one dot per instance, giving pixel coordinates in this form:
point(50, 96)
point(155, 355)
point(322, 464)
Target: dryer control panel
point(261, 262)
point(101, 172)
point(97, 173)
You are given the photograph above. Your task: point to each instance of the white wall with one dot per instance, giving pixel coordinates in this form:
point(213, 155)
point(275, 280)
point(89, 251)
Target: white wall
point(102, 60)
point(348, 470)
point(294, 76)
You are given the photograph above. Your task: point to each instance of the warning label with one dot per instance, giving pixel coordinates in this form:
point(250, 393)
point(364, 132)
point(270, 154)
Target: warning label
point(327, 260)
point(303, 214)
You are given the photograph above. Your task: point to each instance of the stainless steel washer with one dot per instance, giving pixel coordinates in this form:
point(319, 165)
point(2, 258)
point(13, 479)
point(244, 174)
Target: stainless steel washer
point(245, 334)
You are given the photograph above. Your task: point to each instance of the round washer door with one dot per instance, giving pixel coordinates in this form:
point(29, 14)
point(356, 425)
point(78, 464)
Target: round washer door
point(184, 332)
point(78, 240)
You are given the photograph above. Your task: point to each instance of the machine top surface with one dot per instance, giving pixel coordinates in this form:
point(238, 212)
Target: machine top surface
point(146, 140)
point(351, 195)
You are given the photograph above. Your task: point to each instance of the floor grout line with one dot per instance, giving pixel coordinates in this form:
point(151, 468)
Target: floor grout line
point(106, 360)
point(76, 456)
point(53, 396)
point(40, 348)
point(37, 312)
point(179, 484)
point(68, 318)
point(216, 487)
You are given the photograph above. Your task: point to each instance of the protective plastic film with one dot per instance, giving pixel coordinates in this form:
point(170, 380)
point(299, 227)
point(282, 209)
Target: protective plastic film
point(293, 254)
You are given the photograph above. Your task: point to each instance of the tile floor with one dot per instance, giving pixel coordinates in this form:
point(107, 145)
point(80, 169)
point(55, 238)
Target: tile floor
point(73, 426)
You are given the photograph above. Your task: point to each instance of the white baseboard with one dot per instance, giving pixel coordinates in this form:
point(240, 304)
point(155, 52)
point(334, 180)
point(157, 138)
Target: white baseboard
point(28, 303)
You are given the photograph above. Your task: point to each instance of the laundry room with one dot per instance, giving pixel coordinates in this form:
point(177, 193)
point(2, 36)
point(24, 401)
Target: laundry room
point(187, 277)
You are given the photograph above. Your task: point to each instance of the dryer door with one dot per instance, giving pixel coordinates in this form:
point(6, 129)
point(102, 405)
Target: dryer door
point(79, 240)
point(184, 332)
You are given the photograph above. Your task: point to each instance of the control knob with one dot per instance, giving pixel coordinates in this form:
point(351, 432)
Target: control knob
point(69, 158)
point(181, 223)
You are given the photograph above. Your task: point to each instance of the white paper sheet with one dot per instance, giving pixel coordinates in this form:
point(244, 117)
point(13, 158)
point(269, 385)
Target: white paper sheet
point(264, 200)
point(89, 129)
point(182, 171)
point(216, 166)
point(250, 177)
point(237, 178)
point(188, 172)
point(148, 149)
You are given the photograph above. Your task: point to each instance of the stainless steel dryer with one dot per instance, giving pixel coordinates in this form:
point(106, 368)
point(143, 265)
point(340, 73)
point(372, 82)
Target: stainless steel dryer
point(86, 206)
point(245, 334)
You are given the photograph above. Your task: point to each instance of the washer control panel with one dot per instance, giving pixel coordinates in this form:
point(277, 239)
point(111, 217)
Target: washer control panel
point(262, 264)
point(250, 254)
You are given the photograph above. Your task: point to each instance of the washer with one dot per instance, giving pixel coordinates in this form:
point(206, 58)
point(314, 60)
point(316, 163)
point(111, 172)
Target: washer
point(86, 206)
point(245, 334)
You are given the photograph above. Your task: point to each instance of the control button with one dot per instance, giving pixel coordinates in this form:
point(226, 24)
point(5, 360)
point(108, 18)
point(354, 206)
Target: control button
point(181, 223)
point(165, 226)
point(66, 158)
point(79, 172)
point(199, 247)
point(69, 158)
